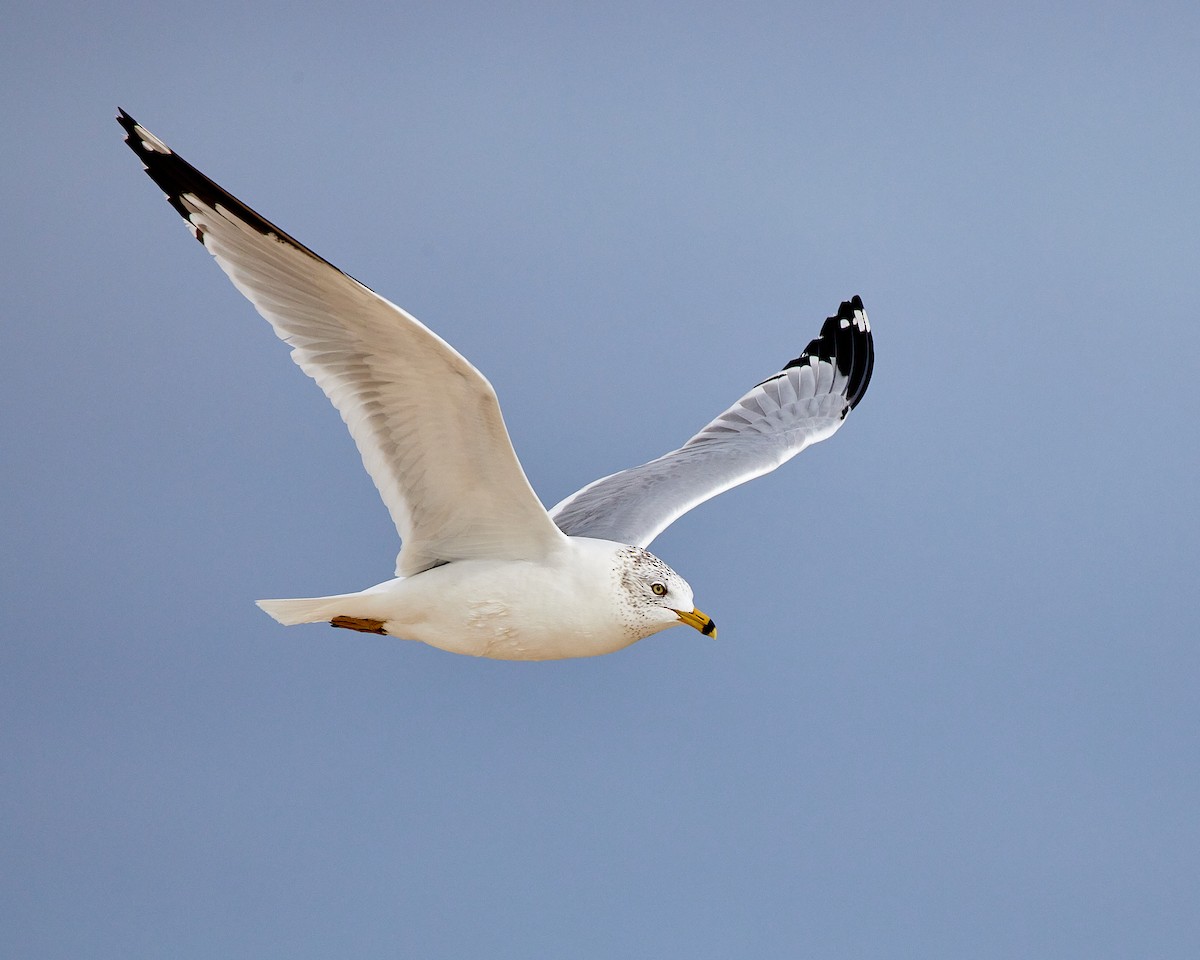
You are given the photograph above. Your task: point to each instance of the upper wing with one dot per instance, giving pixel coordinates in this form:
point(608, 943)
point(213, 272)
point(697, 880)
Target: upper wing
point(426, 422)
point(803, 403)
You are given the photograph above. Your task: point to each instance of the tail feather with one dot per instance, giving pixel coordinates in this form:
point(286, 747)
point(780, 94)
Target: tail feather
point(305, 609)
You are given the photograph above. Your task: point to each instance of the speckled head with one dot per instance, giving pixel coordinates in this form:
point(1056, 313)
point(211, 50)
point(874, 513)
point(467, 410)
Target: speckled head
point(656, 596)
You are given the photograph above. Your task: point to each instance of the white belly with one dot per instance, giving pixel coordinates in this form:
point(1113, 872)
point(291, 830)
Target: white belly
point(507, 611)
point(588, 598)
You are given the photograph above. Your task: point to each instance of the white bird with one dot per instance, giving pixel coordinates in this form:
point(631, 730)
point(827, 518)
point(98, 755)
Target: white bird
point(484, 569)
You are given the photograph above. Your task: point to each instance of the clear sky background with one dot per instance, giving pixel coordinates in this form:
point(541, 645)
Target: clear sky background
point(953, 709)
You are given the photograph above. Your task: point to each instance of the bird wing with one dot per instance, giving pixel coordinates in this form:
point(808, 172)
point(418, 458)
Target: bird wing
point(802, 404)
point(426, 422)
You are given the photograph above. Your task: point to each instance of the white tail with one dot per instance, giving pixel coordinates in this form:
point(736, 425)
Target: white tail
point(307, 609)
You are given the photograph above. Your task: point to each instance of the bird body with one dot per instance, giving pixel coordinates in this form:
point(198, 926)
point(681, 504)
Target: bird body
point(571, 604)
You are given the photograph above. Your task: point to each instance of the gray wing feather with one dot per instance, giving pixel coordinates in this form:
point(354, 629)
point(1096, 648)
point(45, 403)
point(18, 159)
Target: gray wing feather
point(807, 401)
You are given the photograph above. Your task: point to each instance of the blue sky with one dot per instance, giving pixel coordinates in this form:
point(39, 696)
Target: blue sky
point(952, 710)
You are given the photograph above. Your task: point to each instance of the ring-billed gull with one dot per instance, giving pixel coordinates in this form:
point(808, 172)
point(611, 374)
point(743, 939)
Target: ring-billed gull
point(484, 569)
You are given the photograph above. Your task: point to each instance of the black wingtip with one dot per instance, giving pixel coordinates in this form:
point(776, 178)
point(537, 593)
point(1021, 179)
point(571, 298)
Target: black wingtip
point(174, 175)
point(178, 179)
point(845, 340)
point(129, 125)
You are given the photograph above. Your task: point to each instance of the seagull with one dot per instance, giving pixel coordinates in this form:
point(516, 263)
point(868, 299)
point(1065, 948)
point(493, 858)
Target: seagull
point(484, 569)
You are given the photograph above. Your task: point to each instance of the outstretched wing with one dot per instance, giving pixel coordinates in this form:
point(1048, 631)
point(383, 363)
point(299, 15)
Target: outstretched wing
point(805, 402)
point(426, 422)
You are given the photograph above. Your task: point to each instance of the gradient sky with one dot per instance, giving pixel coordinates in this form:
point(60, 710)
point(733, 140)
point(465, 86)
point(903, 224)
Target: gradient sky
point(952, 712)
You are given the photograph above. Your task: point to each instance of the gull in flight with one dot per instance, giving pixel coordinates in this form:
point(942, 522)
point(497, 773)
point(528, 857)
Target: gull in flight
point(484, 569)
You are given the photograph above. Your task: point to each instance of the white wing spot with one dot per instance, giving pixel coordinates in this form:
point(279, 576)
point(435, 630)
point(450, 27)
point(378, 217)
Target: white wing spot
point(151, 142)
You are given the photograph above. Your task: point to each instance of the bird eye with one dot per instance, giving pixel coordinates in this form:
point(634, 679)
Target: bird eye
point(659, 589)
